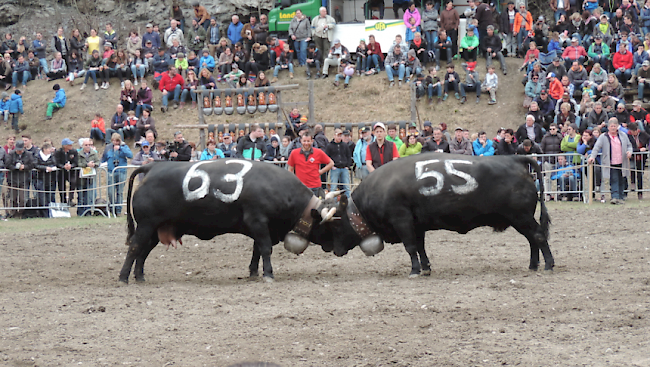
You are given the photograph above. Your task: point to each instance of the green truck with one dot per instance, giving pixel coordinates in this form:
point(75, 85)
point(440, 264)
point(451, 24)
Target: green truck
point(280, 16)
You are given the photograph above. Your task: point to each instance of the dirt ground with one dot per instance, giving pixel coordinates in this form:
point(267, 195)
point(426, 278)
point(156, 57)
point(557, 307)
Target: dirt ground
point(61, 304)
point(368, 99)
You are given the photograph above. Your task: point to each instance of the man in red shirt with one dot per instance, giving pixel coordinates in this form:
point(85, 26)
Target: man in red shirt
point(381, 151)
point(305, 163)
point(171, 82)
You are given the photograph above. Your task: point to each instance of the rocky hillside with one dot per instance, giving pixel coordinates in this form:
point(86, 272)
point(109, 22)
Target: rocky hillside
point(26, 17)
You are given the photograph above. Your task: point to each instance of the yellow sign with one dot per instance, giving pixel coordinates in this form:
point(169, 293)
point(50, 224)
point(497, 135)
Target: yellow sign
point(380, 26)
point(287, 15)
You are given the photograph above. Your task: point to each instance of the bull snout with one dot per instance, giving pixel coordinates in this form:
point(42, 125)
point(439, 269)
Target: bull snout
point(340, 251)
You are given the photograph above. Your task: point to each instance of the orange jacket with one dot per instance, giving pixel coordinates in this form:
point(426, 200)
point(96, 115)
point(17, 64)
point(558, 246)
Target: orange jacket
point(528, 22)
point(99, 124)
point(555, 89)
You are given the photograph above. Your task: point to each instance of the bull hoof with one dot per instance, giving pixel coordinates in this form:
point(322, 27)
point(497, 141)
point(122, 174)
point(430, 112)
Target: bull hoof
point(426, 273)
point(413, 276)
point(139, 279)
point(253, 275)
point(268, 279)
point(548, 268)
point(123, 281)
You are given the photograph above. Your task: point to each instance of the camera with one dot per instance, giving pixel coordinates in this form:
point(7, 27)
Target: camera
point(171, 147)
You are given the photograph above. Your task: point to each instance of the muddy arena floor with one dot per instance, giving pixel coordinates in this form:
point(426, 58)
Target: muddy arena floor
point(61, 304)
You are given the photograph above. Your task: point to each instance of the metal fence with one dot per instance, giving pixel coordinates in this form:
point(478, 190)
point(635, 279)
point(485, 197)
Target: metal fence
point(103, 192)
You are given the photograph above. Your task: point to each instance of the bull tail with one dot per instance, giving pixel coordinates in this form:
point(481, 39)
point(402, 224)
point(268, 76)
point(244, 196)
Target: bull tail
point(544, 218)
point(130, 223)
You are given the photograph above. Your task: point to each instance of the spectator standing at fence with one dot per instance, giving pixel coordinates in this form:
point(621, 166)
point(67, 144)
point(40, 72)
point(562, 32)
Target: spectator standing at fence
point(322, 29)
point(360, 149)
point(252, 146)
point(570, 142)
point(67, 159)
point(436, 144)
point(339, 152)
point(19, 163)
point(566, 176)
point(46, 176)
point(116, 155)
point(228, 146)
point(482, 147)
point(88, 160)
point(639, 140)
point(616, 150)
point(306, 164)
point(380, 151)
point(392, 136)
point(460, 145)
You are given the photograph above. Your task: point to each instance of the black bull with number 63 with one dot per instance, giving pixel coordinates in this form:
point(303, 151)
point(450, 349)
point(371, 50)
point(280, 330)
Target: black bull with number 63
point(402, 200)
point(210, 198)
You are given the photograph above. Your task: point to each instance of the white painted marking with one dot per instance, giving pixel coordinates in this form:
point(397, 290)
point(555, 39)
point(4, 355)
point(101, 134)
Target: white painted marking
point(234, 177)
point(471, 184)
point(204, 189)
point(421, 173)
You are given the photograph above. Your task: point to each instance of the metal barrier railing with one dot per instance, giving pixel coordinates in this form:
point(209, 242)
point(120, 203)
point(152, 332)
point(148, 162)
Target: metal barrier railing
point(104, 193)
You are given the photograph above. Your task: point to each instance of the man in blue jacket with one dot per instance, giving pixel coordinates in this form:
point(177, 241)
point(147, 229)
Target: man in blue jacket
point(16, 108)
point(359, 154)
point(116, 155)
point(234, 29)
point(57, 102)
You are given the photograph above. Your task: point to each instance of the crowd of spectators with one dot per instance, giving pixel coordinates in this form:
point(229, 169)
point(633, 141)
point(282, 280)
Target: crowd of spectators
point(575, 71)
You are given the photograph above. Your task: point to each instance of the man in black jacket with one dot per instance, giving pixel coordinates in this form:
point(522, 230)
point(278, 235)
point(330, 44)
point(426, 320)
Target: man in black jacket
point(491, 48)
point(252, 146)
point(182, 150)
point(506, 146)
point(437, 143)
point(639, 140)
point(339, 151)
point(20, 163)
point(67, 159)
point(529, 130)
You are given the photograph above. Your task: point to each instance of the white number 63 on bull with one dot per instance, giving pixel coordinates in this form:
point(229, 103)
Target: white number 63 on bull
point(421, 173)
point(202, 191)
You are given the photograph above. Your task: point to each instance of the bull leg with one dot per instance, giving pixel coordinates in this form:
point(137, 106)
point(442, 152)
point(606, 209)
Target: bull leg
point(535, 236)
point(138, 271)
point(262, 238)
point(141, 237)
point(424, 259)
point(255, 261)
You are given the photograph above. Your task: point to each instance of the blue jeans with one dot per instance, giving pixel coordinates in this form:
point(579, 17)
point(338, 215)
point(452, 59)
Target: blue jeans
point(139, 108)
point(138, 71)
point(301, 51)
point(342, 176)
point(437, 53)
point(602, 60)
point(563, 181)
point(272, 57)
point(400, 70)
point(115, 192)
point(475, 87)
point(279, 67)
point(127, 133)
point(43, 62)
point(623, 76)
point(410, 71)
point(616, 181)
point(110, 132)
point(641, 88)
point(373, 61)
point(185, 93)
point(97, 134)
point(25, 77)
point(437, 89)
point(177, 95)
point(86, 195)
point(645, 30)
point(91, 73)
point(337, 77)
point(430, 36)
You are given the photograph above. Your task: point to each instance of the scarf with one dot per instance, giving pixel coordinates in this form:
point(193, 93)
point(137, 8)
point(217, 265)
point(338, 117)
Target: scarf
point(44, 157)
point(284, 151)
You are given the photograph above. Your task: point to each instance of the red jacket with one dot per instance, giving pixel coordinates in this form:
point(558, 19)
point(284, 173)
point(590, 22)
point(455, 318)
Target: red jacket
point(168, 84)
point(376, 50)
point(574, 53)
point(555, 89)
point(623, 61)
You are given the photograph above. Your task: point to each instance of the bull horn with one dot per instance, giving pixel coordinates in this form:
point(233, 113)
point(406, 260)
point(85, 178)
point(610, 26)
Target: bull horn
point(327, 217)
point(323, 213)
point(333, 194)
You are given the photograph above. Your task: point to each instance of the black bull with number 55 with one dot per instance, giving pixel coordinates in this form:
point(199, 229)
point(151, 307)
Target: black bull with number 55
point(402, 200)
point(209, 198)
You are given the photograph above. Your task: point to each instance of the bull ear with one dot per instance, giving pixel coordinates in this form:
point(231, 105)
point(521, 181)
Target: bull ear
point(343, 203)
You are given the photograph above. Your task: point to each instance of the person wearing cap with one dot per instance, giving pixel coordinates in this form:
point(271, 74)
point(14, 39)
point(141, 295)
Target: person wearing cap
point(472, 82)
point(16, 109)
point(67, 159)
point(360, 150)
point(623, 62)
point(380, 151)
point(555, 89)
point(228, 146)
point(491, 48)
point(152, 36)
point(336, 53)
point(300, 34)
point(88, 160)
point(616, 150)
point(196, 35)
point(57, 102)
point(459, 144)
point(19, 162)
point(643, 78)
point(639, 140)
point(181, 64)
point(306, 163)
point(116, 155)
point(322, 28)
point(599, 51)
point(575, 52)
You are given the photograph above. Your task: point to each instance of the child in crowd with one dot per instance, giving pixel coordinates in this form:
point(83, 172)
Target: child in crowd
point(362, 57)
point(284, 149)
point(346, 70)
point(129, 128)
point(233, 76)
point(433, 85)
point(4, 107)
point(181, 64)
point(97, 127)
point(452, 79)
point(16, 109)
point(554, 43)
point(410, 34)
point(285, 62)
point(490, 85)
point(532, 55)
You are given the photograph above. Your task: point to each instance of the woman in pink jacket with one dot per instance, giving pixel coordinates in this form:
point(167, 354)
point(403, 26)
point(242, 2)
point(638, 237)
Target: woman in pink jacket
point(412, 12)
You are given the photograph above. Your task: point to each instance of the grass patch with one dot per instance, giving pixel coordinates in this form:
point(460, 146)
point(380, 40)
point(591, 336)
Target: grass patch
point(36, 224)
